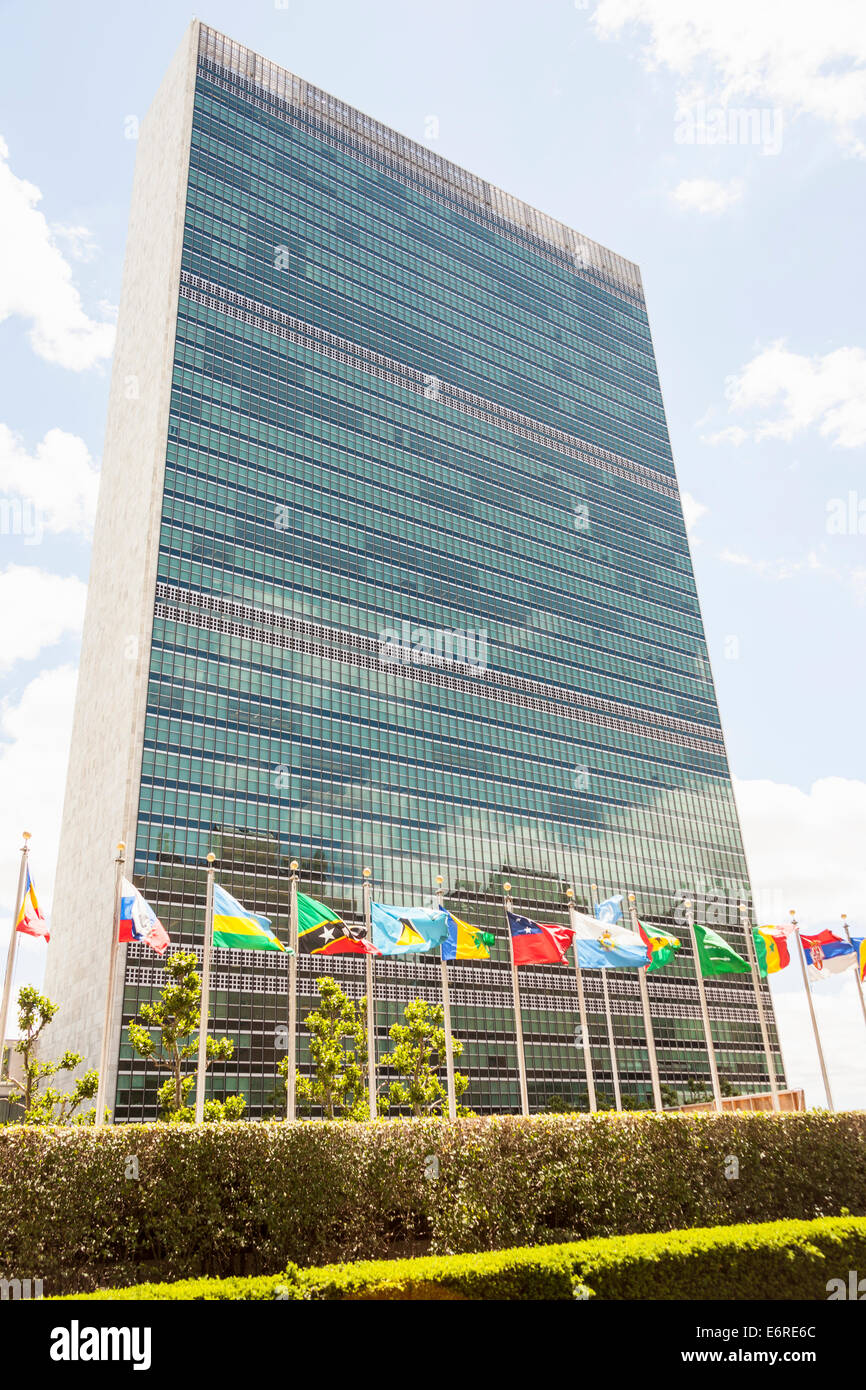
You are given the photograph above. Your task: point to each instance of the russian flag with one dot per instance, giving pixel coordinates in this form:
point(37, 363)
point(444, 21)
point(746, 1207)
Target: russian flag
point(139, 922)
point(827, 954)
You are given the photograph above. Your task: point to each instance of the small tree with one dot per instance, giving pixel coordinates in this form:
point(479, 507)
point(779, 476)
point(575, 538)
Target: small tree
point(416, 1041)
point(48, 1106)
point(167, 1035)
point(338, 1040)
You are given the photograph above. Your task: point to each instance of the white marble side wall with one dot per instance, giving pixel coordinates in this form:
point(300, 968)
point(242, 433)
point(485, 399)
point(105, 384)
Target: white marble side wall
point(104, 767)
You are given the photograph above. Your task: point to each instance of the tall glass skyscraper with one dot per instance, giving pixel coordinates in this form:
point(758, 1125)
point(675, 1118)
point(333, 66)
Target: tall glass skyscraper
point(390, 570)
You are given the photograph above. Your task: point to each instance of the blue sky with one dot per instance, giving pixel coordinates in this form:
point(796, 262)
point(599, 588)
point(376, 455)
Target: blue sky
point(722, 146)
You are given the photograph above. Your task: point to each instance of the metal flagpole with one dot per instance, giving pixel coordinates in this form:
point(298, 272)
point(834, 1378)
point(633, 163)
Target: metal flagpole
point(617, 1094)
point(371, 1002)
point(647, 1020)
point(756, 981)
point(856, 966)
point(808, 989)
point(201, 1069)
point(446, 1009)
point(13, 947)
point(702, 994)
point(109, 992)
point(292, 1049)
point(581, 1005)
point(518, 1020)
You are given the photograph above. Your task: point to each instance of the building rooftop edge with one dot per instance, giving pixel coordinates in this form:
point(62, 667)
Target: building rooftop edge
point(588, 256)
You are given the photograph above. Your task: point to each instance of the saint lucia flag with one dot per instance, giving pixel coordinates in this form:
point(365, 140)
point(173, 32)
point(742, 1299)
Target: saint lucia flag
point(398, 931)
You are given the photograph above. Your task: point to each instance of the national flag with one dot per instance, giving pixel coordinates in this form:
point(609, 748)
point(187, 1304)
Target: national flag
point(662, 946)
point(610, 910)
point(538, 943)
point(771, 949)
point(601, 943)
point(716, 956)
point(235, 929)
point(399, 931)
point(138, 921)
point(859, 944)
point(827, 954)
point(30, 920)
point(464, 942)
point(322, 933)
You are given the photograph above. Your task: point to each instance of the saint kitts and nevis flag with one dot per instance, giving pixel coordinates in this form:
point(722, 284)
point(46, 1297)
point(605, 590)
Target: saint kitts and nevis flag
point(322, 932)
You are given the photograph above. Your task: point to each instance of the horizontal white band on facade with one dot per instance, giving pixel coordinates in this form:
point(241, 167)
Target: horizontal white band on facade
point(286, 622)
point(391, 992)
point(268, 637)
point(307, 335)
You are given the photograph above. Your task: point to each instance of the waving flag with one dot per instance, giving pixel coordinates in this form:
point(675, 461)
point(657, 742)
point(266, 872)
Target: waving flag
point(139, 922)
point(236, 929)
point(601, 943)
point(771, 949)
point(859, 944)
point(399, 931)
point(464, 942)
point(716, 956)
point(322, 933)
point(662, 946)
point(30, 919)
point(827, 954)
point(610, 910)
point(538, 943)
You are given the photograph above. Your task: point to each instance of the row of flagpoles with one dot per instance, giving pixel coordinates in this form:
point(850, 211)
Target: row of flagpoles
point(599, 942)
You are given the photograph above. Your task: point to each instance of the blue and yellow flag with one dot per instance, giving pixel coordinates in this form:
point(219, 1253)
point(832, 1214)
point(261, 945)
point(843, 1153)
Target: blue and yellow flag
point(398, 931)
point(464, 942)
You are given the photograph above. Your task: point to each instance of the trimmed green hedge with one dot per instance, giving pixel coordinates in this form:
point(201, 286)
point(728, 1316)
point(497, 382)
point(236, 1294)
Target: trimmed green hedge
point(778, 1260)
point(247, 1198)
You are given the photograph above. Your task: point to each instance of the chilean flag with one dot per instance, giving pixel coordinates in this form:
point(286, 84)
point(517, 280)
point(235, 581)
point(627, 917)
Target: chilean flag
point(538, 943)
point(827, 954)
point(139, 922)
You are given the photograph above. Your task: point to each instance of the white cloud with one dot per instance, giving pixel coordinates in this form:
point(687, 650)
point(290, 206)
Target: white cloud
point(707, 195)
point(807, 59)
point(693, 510)
point(805, 851)
point(733, 434)
point(34, 750)
point(827, 392)
point(38, 609)
point(36, 280)
point(79, 241)
point(58, 484)
point(780, 570)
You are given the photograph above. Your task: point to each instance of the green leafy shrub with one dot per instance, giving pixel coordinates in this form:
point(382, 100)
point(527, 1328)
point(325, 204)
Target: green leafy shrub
point(779, 1260)
point(80, 1208)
